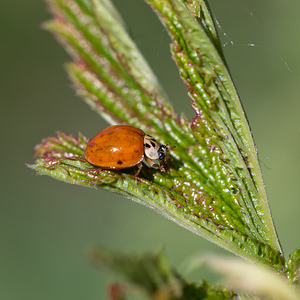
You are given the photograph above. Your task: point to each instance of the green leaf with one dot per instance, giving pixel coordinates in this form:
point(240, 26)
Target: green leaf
point(152, 275)
point(220, 117)
point(213, 184)
point(108, 71)
point(292, 267)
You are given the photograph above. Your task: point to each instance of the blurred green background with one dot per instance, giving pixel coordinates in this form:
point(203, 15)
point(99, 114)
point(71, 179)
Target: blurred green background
point(46, 225)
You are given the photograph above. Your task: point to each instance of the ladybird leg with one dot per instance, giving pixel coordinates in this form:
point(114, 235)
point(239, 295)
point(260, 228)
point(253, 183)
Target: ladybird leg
point(140, 166)
point(162, 169)
point(152, 164)
point(162, 165)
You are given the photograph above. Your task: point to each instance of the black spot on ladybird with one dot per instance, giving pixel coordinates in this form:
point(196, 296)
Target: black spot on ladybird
point(153, 144)
point(120, 162)
point(147, 145)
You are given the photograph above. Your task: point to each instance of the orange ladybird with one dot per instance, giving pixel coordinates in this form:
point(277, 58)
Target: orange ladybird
point(122, 146)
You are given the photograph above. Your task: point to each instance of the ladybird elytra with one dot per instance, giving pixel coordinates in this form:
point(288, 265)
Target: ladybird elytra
point(124, 146)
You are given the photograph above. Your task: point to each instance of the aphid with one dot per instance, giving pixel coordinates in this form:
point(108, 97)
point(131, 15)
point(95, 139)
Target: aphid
point(122, 146)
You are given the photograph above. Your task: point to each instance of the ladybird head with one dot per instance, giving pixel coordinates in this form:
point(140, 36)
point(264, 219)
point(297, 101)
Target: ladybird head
point(162, 152)
point(155, 153)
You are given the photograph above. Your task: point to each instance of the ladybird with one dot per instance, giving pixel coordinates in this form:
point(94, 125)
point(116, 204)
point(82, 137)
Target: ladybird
point(123, 146)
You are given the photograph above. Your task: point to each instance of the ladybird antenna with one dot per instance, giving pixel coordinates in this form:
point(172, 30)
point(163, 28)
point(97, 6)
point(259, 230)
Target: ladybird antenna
point(170, 148)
